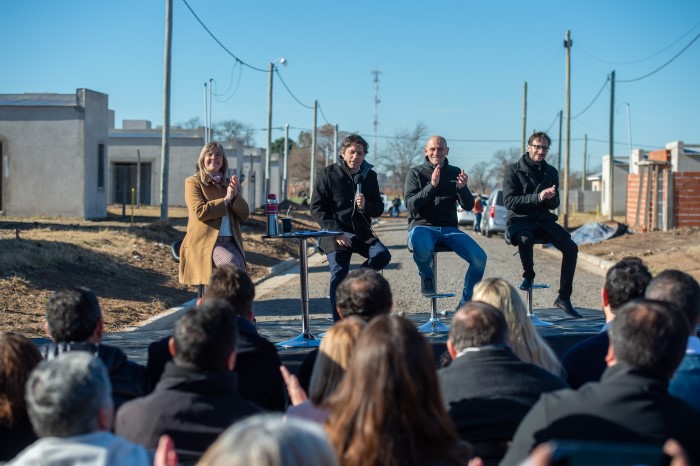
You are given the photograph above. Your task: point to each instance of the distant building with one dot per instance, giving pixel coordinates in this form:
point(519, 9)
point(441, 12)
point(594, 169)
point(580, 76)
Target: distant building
point(54, 153)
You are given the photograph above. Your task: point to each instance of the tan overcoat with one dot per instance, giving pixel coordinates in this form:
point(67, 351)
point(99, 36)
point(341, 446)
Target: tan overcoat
point(205, 206)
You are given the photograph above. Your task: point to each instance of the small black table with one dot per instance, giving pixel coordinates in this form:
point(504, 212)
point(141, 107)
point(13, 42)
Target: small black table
point(305, 339)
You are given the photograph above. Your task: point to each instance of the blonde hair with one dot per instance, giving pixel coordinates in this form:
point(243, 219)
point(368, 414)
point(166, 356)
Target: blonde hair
point(333, 358)
point(525, 342)
point(210, 147)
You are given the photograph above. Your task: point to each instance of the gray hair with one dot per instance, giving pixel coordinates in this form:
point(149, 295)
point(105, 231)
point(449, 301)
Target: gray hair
point(271, 440)
point(64, 395)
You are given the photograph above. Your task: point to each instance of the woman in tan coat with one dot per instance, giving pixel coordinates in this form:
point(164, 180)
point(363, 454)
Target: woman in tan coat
point(215, 209)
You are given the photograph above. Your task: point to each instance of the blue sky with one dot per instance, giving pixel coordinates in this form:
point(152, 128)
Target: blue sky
point(456, 66)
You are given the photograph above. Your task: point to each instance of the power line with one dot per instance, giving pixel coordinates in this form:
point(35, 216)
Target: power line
point(323, 115)
point(662, 66)
point(594, 99)
point(556, 116)
point(235, 91)
point(641, 59)
point(218, 41)
point(310, 107)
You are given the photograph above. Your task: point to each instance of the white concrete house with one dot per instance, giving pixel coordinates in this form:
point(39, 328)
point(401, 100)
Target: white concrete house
point(54, 154)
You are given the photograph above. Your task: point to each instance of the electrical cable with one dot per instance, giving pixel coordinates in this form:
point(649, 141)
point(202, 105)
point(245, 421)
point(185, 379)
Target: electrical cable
point(290, 91)
point(662, 66)
point(594, 99)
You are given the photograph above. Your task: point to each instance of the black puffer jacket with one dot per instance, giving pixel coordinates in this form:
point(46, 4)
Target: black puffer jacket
point(128, 378)
point(434, 206)
point(333, 203)
point(521, 188)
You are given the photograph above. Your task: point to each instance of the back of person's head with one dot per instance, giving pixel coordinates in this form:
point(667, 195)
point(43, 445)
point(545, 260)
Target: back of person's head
point(271, 440)
point(65, 395)
point(477, 324)
point(365, 293)
point(388, 408)
point(625, 281)
point(233, 285)
point(72, 314)
point(524, 340)
point(649, 336)
point(205, 336)
point(18, 356)
point(333, 357)
point(680, 289)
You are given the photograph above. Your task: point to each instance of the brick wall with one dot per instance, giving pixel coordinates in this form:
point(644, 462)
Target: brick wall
point(686, 199)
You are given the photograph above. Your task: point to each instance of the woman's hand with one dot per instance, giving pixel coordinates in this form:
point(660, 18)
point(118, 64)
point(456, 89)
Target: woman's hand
point(297, 395)
point(232, 189)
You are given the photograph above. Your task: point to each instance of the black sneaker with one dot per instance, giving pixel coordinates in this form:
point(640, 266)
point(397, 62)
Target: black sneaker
point(427, 287)
point(565, 304)
point(526, 284)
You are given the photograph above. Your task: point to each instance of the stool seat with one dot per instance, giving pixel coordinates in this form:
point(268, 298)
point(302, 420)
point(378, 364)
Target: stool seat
point(175, 250)
point(433, 325)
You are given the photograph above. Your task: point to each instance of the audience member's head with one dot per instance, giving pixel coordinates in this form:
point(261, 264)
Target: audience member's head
point(271, 440)
point(522, 336)
point(333, 357)
point(364, 293)
point(74, 315)
point(476, 325)
point(233, 285)
point(649, 336)
point(70, 395)
point(625, 281)
point(680, 289)
point(388, 408)
point(205, 337)
point(18, 356)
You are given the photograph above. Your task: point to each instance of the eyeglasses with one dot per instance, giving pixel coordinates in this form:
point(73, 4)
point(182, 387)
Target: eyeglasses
point(542, 148)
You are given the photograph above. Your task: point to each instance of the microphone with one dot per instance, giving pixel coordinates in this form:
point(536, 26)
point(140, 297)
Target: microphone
point(358, 179)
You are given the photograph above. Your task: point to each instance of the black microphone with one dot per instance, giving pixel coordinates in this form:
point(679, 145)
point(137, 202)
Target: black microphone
point(358, 179)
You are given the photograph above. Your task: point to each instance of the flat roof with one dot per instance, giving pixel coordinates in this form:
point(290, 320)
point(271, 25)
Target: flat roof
point(38, 100)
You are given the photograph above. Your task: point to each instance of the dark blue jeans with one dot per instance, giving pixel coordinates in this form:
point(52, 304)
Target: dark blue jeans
point(377, 256)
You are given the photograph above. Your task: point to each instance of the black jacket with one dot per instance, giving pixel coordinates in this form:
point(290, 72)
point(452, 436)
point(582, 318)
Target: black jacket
point(129, 379)
point(625, 406)
point(333, 203)
point(257, 366)
point(585, 361)
point(191, 406)
point(434, 206)
point(488, 392)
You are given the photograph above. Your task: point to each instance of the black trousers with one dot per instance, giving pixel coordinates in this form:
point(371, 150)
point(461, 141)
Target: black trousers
point(550, 232)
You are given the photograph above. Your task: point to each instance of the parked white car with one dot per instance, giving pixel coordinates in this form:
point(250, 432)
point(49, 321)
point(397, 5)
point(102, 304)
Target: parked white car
point(466, 217)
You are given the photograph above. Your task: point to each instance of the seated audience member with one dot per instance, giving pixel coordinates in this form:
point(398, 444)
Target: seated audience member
point(681, 289)
point(74, 323)
point(523, 339)
point(196, 398)
point(71, 409)
point(624, 281)
point(332, 362)
point(364, 293)
point(257, 361)
point(631, 402)
point(271, 440)
point(18, 356)
point(388, 409)
point(487, 390)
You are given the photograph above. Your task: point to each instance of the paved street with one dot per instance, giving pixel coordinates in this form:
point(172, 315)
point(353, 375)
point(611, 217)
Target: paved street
point(278, 301)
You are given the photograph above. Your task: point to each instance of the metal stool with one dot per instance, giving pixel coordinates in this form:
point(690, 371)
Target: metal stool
point(536, 321)
point(175, 251)
point(433, 325)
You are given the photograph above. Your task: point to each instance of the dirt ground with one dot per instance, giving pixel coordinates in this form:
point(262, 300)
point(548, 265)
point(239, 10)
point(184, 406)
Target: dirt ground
point(129, 264)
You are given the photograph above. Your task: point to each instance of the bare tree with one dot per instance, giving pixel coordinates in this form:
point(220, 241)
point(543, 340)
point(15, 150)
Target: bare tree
point(501, 160)
point(402, 152)
point(228, 130)
point(192, 123)
point(479, 180)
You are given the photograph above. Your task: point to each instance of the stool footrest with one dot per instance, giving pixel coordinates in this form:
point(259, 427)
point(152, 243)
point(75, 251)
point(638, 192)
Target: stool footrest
point(441, 295)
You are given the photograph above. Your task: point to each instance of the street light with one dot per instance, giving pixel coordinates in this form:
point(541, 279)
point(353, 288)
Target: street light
point(268, 150)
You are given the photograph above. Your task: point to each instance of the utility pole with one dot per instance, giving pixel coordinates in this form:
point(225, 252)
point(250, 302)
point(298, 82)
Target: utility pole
point(285, 173)
point(611, 169)
point(268, 150)
point(567, 45)
point(313, 152)
point(561, 117)
point(165, 141)
point(524, 140)
point(585, 165)
point(206, 113)
point(375, 117)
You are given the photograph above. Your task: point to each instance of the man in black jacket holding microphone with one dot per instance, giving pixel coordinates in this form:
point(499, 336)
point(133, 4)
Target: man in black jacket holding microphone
point(345, 198)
